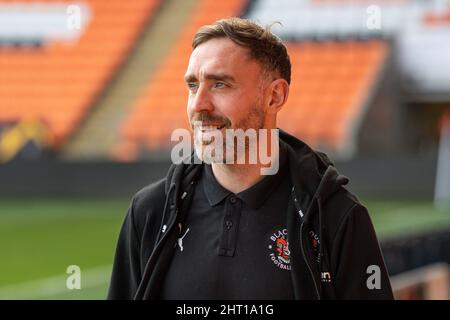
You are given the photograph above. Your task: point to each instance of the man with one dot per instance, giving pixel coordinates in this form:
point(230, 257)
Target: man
point(222, 229)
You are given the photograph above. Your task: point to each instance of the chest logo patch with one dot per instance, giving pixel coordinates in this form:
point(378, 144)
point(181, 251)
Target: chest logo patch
point(279, 250)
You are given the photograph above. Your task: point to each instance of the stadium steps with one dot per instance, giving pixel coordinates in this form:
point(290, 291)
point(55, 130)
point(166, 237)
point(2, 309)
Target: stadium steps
point(100, 131)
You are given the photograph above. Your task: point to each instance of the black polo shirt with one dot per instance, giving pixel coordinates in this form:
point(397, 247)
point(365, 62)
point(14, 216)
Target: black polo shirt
point(234, 246)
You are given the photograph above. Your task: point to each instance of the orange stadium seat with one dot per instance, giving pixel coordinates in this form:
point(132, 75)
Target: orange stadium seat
point(59, 82)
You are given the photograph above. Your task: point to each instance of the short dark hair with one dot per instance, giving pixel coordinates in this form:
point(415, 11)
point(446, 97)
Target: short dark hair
point(263, 45)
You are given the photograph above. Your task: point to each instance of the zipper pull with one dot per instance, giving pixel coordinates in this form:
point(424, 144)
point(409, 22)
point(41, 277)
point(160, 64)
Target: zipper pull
point(297, 206)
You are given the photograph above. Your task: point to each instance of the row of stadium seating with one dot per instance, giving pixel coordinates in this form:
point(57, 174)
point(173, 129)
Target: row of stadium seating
point(59, 82)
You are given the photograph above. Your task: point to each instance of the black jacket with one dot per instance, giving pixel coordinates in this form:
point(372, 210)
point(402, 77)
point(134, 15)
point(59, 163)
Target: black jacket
point(331, 237)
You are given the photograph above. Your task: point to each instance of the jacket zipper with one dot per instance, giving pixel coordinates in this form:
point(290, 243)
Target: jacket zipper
point(307, 264)
point(156, 248)
point(297, 207)
point(169, 226)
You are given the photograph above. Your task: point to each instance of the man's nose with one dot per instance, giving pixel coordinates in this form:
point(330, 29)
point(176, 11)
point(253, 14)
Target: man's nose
point(202, 100)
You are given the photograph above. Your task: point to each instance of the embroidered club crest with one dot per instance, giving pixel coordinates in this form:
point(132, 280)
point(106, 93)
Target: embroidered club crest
point(279, 250)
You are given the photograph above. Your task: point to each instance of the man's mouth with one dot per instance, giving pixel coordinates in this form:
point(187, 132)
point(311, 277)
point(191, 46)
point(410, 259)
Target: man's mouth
point(204, 128)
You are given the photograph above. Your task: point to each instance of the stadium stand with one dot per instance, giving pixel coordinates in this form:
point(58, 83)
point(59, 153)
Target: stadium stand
point(338, 63)
point(59, 82)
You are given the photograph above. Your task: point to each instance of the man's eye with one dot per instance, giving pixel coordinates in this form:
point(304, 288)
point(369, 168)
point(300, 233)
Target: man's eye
point(192, 86)
point(219, 85)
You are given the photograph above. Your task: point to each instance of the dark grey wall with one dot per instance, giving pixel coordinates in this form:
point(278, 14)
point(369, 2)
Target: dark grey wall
point(90, 179)
point(385, 177)
point(392, 177)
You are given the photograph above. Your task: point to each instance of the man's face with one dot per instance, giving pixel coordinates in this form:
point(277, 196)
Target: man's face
point(225, 89)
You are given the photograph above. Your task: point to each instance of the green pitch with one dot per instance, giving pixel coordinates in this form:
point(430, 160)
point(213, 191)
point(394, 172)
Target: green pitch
point(40, 238)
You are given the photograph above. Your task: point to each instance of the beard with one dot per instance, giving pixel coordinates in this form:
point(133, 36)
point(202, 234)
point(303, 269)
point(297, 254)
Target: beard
point(211, 146)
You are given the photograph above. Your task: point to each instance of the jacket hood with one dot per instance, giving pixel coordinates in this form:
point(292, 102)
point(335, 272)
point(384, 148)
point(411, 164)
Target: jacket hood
point(313, 173)
point(314, 180)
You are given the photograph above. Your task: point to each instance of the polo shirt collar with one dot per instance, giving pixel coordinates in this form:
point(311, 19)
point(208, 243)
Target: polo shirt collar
point(214, 191)
point(256, 195)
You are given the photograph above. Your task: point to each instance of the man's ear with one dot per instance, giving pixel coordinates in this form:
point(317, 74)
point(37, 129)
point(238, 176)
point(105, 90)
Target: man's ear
point(278, 92)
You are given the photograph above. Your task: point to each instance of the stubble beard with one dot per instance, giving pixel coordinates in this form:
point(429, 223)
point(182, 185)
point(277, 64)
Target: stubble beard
point(240, 152)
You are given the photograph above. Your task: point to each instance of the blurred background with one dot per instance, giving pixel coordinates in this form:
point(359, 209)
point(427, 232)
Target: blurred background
point(90, 92)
